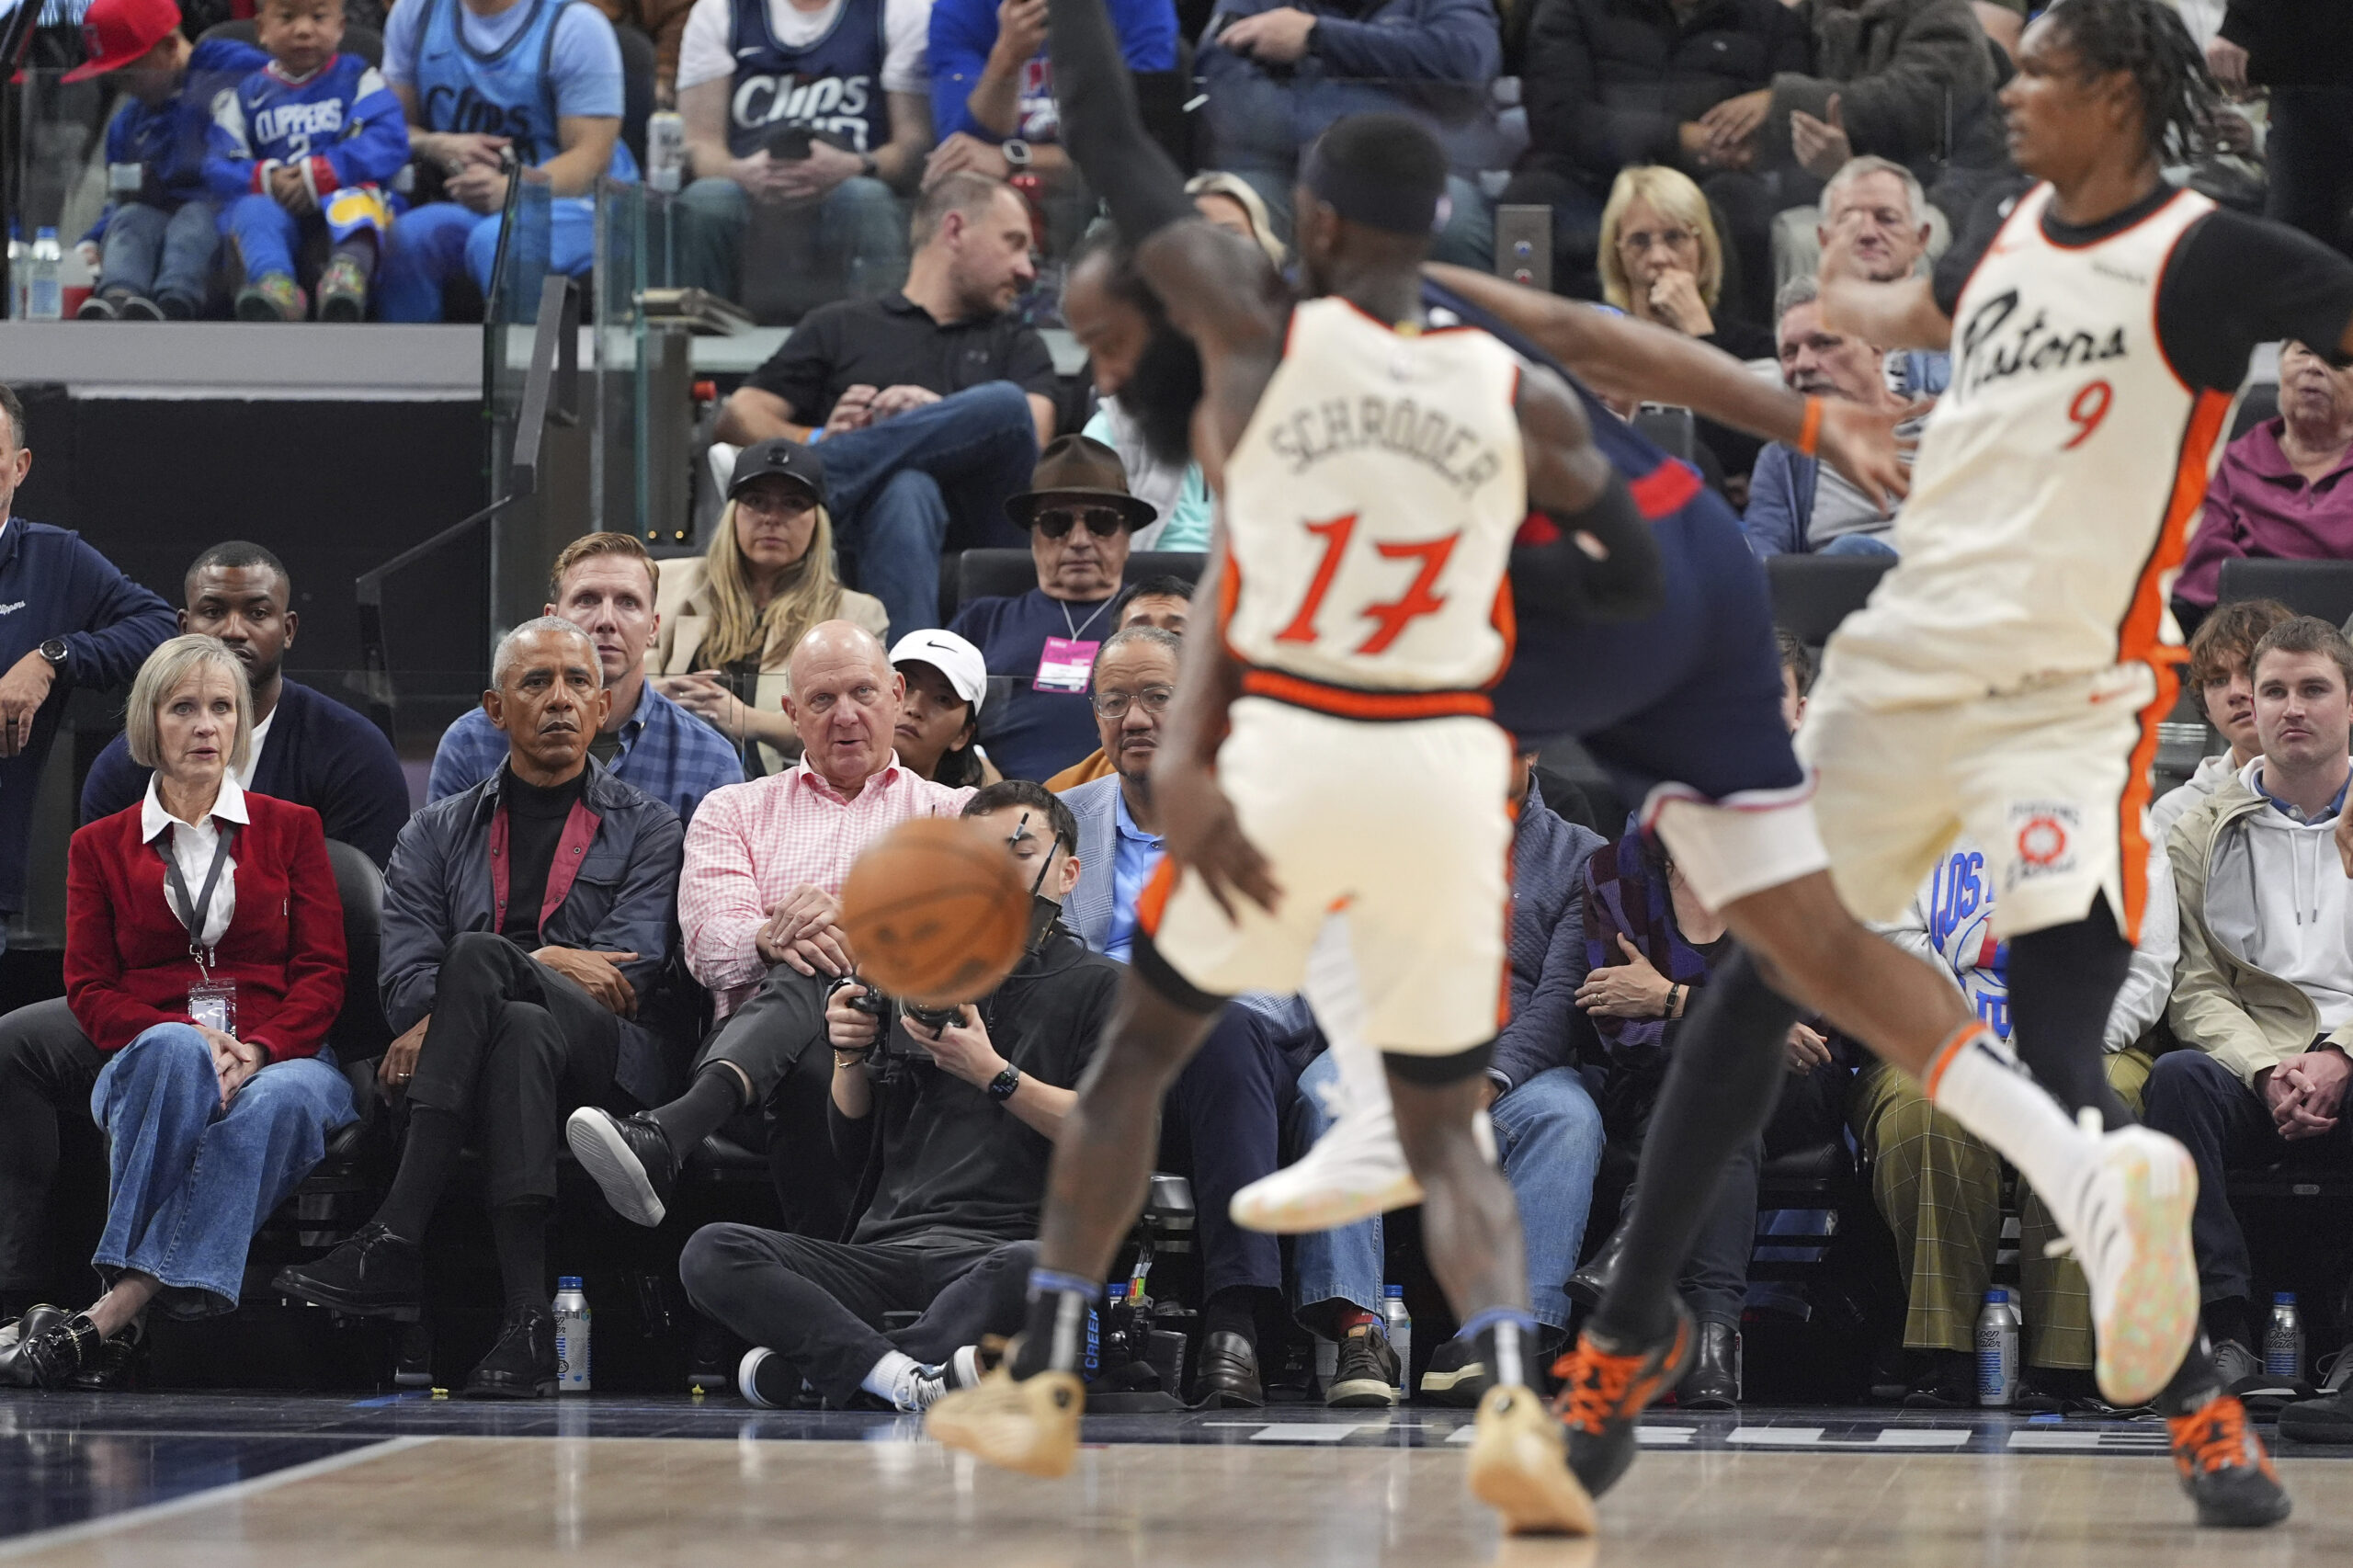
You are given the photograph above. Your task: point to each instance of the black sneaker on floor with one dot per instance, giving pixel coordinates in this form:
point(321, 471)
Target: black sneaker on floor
point(1364, 1373)
point(767, 1380)
point(375, 1274)
point(1604, 1389)
point(2329, 1418)
point(522, 1365)
point(2224, 1469)
point(631, 1162)
point(1949, 1383)
point(1455, 1376)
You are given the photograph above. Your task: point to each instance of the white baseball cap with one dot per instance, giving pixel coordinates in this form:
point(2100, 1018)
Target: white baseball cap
point(967, 672)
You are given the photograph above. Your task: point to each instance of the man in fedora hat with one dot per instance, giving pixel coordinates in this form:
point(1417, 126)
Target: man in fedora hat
point(1041, 645)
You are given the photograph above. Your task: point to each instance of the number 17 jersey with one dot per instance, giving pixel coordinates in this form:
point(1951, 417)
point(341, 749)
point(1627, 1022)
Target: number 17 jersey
point(1369, 510)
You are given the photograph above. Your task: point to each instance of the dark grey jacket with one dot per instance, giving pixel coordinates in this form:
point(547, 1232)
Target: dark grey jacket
point(1915, 81)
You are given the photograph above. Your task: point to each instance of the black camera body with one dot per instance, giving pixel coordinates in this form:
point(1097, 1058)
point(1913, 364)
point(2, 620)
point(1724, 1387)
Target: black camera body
point(875, 1004)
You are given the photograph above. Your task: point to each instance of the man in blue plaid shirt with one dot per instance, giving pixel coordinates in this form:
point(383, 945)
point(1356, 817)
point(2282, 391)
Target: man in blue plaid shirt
point(604, 584)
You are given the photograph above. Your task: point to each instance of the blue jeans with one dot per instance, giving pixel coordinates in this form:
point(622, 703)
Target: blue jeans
point(1549, 1134)
point(428, 244)
point(1859, 544)
point(160, 255)
point(189, 1183)
point(856, 234)
point(896, 488)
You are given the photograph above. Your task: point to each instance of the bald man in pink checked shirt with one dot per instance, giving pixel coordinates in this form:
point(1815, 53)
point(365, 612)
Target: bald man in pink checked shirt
point(759, 906)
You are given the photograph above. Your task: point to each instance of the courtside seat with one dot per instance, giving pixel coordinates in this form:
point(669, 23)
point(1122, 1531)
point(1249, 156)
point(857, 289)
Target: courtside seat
point(2323, 588)
point(1812, 593)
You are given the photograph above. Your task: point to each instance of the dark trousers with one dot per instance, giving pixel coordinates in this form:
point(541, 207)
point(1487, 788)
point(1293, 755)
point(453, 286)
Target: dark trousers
point(820, 1305)
point(1223, 1126)
point(514, 1048)
point(48, 1068)
point(775, 1040)
point(2308, 161)
point(2222, 1123)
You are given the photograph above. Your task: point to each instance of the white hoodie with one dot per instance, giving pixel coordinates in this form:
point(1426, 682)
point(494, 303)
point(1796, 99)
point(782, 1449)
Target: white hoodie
point(2277, 895)
point(2210, 772)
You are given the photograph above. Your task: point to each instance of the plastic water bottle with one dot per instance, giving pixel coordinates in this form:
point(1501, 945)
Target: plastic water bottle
point(2283, 1343)
point(45, 300)
point(572, 1344)
point(666, 152)
point(1997, 1351)
point(1399, 1326)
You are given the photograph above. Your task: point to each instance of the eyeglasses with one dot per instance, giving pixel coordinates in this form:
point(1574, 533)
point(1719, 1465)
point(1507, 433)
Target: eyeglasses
point(1101, 521)
point(1115, 704)
point(1639, 240)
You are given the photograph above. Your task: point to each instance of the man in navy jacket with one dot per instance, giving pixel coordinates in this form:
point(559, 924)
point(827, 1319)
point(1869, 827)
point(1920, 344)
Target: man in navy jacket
point(67, 619)
point(308, 748)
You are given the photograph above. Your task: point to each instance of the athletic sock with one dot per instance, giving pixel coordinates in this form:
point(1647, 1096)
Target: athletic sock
point(893, 1380)
point(1502, 1340)
point(1053, 1336)
point(714, 1096)
point(1721, 1085)
point(435, 1138)
point(519, 1233)
point(1976, 1080)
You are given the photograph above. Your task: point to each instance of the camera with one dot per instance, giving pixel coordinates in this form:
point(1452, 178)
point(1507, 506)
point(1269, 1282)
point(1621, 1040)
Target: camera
point(872, 1001)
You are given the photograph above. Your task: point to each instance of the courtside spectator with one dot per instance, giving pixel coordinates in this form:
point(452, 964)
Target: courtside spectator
point(759, 913)
point(1800, 505)
point(1662, 261)
point(526, 922)
point(2263, 991)
point(1876, 209)
point(154, 247)
point(952, 1127)
point(207, 994)
point(730, 619)
point(2285, 489)
point(1164, 604)
point(1080, 517)
point(604, 584)
point(938, 731)
point(814, 107)
point(931, 402)
point(993, 86)
point(74, 620)
point(1277, 75)
point(1107, 306)
point(1119, 835)
point(549, 76)
point(1607, 84)
point(305, 747)
point(2303, 56)
point(2218, 673)
point(307, 145)
point(1229, 203)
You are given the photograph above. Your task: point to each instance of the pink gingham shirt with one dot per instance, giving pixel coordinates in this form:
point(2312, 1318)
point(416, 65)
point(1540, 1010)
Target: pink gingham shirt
point(752, 843)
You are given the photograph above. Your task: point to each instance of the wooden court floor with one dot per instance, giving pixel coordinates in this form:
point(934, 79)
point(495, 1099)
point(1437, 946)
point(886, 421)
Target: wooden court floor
point(640, 1503)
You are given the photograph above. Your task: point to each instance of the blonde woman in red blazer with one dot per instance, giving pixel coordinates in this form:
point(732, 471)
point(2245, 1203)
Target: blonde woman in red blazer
point(204, 956)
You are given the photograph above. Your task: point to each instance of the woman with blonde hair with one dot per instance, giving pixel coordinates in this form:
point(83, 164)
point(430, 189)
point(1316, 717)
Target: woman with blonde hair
point(1662, 261)
point(1229, 203)
point(728, 620)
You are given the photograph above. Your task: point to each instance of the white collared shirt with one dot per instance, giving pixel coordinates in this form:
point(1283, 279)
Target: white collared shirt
point(193, 848)
point(244, 775)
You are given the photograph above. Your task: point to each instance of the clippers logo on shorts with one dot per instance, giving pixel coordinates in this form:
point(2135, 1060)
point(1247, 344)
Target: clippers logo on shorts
point(2045, 833)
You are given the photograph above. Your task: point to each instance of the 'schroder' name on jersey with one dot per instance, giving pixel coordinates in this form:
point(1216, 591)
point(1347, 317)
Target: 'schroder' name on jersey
point(1338, 426)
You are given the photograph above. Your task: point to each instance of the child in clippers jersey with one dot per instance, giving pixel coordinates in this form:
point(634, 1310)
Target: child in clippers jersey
point(309, 142)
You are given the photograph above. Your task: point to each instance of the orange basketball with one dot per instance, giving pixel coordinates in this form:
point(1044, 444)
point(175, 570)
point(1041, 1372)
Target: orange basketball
point(936, 912)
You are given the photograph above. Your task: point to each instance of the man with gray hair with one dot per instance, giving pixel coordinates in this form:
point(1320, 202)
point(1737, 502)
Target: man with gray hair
point(526, 925)
point(1119, 833)
point(1894, 233)
point(759, 911)
point(1797, 504)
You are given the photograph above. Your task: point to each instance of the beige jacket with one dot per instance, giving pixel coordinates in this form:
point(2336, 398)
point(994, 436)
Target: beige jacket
point(684, 604)
point(2249, 1020)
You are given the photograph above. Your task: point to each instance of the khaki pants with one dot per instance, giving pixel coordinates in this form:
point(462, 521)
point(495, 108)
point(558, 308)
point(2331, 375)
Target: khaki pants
point(1940, 1191)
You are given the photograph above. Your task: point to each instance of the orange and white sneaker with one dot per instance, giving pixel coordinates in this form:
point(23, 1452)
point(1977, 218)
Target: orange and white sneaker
point(1604, 1389)
point(2132, 1234)
point(1031, 1426)
point(1519, 1467)
point(2223, 1467)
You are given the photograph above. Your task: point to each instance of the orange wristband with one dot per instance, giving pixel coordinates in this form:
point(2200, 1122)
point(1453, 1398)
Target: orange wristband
point(1810, 433)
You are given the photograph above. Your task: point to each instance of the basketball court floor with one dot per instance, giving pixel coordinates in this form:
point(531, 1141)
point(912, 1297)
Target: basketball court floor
point(416, 1482)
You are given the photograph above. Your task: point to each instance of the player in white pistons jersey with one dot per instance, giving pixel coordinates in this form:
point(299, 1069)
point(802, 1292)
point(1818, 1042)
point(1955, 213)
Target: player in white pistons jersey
point(2005, 680)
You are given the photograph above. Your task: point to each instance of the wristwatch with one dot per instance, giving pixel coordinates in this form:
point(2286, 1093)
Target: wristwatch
point(1001, 1087)
point(1017, 156)
point(867, 166)
point(55, 651)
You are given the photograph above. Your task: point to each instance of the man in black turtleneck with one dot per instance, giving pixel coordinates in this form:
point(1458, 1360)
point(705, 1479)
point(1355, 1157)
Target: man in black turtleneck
point(518, 986)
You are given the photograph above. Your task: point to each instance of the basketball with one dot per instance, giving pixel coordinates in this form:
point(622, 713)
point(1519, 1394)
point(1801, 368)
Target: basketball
point(936, 912)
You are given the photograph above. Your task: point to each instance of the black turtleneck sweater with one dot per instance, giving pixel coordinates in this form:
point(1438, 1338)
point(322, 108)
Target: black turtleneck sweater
point(535, 819)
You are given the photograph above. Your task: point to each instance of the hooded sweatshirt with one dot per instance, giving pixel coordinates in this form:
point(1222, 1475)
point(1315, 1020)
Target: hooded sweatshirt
point(2211, 771)
point(2278, 897)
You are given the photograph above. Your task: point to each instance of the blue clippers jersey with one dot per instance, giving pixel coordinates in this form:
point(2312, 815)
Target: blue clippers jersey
point(834, 87)
point(343, 127)
point(168, 138)
point(508, 91)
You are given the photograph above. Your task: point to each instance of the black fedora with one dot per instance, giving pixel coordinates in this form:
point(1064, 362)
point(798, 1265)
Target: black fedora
point(1076, 471)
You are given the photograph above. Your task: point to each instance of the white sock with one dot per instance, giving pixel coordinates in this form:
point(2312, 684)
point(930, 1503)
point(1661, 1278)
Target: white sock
point(893, 1380)
point(1978, 1081)
point(1337, 1000)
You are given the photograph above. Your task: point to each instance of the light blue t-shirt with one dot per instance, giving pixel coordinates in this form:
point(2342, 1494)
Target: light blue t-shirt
point(1134, 857)
point(585, 59)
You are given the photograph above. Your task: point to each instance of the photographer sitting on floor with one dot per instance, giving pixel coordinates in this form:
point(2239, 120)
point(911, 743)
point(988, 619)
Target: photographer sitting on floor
point(952, 1125)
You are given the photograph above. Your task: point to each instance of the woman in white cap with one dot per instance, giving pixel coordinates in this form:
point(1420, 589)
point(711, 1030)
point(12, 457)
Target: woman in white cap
point(939, 723)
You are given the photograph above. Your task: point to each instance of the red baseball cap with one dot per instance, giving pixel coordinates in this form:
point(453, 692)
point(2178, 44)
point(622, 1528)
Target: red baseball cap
point(117, 33)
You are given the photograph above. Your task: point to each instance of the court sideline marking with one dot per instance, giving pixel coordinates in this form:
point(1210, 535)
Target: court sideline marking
point(132, 1518)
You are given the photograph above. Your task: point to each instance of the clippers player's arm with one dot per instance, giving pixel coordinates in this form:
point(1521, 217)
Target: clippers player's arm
point(1196, 822)
point(1622, 357)
point(1601, 562)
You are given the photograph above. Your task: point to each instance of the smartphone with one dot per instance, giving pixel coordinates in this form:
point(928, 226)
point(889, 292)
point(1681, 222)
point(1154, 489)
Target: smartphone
point(789, 145)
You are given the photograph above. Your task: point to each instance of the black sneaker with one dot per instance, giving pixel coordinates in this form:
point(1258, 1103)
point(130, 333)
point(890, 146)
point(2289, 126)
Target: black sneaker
point(1604, 1388)
point(1364, 1373)
point(522, 1365)
point(1455, 1376)
point(139, 307)
point(2329, 1418)
point(2223, 1467)
point(99, 307)
point(375, 1274)
point(1949, 1383)
point(631, 1162)
point(767, 1380)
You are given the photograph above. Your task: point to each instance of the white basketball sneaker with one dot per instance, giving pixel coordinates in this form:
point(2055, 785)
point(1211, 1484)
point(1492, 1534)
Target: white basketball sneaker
point(2133, 1230)
point(1356, 1170)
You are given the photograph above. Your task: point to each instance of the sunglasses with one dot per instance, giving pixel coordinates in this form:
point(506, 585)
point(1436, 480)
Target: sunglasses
point(1101, 521)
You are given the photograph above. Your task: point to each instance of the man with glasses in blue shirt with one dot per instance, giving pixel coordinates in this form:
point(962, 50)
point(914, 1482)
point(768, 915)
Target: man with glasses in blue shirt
point(1134, 677)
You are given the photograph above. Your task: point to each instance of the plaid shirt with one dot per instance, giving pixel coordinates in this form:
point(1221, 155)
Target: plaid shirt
point(666, 751)
point(751, 846)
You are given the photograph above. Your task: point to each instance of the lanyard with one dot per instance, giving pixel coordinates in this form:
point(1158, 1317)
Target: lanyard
point(192, 913)
point(1083, 625)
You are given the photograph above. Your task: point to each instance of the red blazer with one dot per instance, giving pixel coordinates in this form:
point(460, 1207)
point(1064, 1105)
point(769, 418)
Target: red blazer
point(127, 963)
